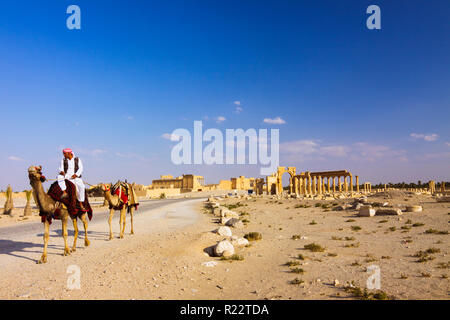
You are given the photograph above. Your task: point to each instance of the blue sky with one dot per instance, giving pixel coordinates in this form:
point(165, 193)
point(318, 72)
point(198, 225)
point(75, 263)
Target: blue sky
point(376, 102)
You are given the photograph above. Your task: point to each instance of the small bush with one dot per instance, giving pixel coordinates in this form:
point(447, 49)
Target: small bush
point(253, 236)
point(298, 270)
point(332, 254)
point(314, 247)
point(296, 281)
point(433, 231)
point(234, 257)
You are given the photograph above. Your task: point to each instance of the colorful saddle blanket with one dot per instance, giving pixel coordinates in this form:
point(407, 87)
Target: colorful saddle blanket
point(70, 202)
point(126, 195)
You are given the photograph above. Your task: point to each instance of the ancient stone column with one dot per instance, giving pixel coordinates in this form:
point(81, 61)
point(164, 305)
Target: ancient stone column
point(339, 184)
point(442, 186)
point(314, 185)
point(351, 184)
point(309, 184)
point(334, 184)
point(319, 180)
point(305, 185)
point(329, 184)
point(345, 184)
point(357, 183)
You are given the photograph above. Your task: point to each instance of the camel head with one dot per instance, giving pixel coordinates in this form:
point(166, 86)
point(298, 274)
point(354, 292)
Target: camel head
point(35, 173)
point(112, 199)
point(105, 187)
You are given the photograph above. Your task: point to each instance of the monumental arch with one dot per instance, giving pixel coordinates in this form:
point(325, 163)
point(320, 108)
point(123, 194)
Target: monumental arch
point(280, 172)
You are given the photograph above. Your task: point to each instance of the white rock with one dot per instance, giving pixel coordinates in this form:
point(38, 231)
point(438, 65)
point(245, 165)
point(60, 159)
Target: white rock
point(221, 247)
point(366, 211)
point(336, 282)
point(240, 242)
point(224, 231)
point(224, 212)
point(235, 223)
point(224, 220)
point(209, 264)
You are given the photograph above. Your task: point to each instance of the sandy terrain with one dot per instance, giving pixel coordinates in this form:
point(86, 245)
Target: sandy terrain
point(163, 260)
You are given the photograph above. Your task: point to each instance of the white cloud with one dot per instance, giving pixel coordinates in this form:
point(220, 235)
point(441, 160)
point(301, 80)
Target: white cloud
point(220, 119)
point(130, 156)
point(360, 151)
point(426, 137)
point(447, 144)
point(299, 147)
point(97, 152)
point(238, 110)
point(94, 153)
point(238, 103)
point(14, 158)
point(276, 120)
point(130, 118)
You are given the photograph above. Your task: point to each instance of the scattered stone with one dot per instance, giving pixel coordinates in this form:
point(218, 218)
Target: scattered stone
point(240, 242)
point(224, 220)
point(235, 223)
point(389, 212)
point(366, 211)
point(224, 231)
point(336, 282)
point(223, 248)
point(414, 208)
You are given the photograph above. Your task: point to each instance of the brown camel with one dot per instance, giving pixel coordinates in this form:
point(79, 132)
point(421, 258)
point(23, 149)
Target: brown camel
point(115, 203)
point(47, 206)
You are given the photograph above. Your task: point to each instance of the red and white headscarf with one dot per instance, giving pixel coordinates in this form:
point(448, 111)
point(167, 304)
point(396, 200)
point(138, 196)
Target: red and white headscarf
point(67, 150)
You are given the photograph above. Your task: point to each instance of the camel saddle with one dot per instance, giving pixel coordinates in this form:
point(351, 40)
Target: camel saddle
point(126, 195)
point(70, 202)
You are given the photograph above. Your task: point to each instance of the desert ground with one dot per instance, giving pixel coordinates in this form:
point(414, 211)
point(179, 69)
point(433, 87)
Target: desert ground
point(167, 257)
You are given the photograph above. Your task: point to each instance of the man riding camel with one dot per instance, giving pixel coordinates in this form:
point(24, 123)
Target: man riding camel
point(71, 169)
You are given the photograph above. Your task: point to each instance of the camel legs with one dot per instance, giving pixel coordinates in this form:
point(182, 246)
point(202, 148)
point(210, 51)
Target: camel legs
point(111, 215)
point(85, 224)
point(75, 236)
point(131, 214)
point(46, 231)
point(123, 215)
point(64, 230)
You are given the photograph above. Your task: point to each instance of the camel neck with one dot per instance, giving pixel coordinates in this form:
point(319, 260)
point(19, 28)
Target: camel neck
point(44, 200)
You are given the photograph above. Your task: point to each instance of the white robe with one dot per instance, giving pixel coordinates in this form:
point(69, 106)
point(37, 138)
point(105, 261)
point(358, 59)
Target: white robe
point(80, 187)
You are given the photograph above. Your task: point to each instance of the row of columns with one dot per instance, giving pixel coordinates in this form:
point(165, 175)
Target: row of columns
point(368, 187)
point(323, 184)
